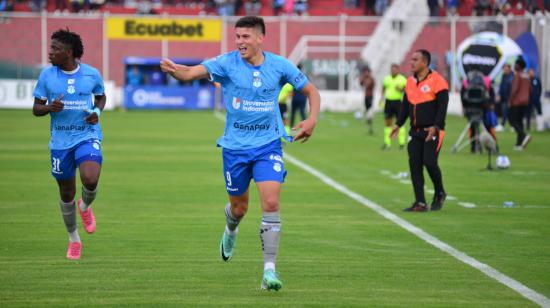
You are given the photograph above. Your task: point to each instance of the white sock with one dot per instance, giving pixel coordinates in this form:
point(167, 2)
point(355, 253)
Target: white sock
point(231, 233)
point(74, 237)
point(269, 266)
point(83, 205)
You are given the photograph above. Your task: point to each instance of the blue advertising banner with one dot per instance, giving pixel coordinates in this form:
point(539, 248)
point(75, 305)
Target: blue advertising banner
point(163, 97)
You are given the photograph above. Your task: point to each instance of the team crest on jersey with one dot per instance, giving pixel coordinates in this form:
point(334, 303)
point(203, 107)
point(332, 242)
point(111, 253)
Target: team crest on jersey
point(71, 89)
point(425, 89)
point(236, 102)
point(257, 82)
point(277, 167)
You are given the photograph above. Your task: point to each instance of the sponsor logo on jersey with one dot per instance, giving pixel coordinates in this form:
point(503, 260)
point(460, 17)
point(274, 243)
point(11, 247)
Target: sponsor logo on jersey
point(236, 103)
point(70, 127)
point(251, 127)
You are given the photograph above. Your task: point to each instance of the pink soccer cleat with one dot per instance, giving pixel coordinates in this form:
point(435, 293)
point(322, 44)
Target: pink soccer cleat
point(74, 250)
point(88, 219)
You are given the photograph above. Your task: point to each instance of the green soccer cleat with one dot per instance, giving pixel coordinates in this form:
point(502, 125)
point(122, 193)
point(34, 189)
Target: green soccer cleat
point(226, 246)
point(271, 281)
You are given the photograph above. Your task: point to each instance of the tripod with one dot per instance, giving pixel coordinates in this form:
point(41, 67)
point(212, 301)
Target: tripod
point(476, 121)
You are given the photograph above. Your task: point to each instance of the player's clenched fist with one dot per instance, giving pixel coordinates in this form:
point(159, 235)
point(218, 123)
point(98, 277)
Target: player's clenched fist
point(167, 66)
point(57, 105)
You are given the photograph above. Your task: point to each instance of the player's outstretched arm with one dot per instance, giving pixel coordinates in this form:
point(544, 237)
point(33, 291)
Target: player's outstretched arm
point(183, 72)
point(306, 127)
point(40, 108)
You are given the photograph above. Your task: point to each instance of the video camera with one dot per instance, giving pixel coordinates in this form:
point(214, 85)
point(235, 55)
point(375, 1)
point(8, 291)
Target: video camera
point(474, 94)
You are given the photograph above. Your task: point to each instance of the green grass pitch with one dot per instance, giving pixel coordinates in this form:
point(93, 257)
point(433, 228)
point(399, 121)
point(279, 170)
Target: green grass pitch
point(160, 216)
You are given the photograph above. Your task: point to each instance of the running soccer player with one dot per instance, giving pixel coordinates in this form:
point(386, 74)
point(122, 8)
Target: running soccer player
point(64, 91)
point(392, 90)
point(251, 80)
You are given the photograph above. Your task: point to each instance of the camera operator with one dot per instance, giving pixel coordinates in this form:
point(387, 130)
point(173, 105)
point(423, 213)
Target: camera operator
point(478, 103)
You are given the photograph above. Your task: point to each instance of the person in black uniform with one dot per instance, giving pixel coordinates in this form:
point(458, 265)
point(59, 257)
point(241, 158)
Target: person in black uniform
point(425, 102)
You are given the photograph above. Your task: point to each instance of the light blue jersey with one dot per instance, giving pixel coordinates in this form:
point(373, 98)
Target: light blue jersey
point(68, 127)
point(250, 96)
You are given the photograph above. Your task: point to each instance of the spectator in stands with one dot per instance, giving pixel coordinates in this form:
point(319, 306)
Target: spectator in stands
point(369, 7)
point(534, 97)
point(433, 5)
point(452, 8)
point(300, 7)
point(501, 7)
point(226, 7)
point(481, 7)
point(278, 6)
point(380, 7)
point(61, 5)
point(134, 77)
point(145, 7)
point(95, 5)
point(77, 5)
point(504, 94)
point(37, 5)
point(350, 4)
point(5, 6)
point(532, 6)
point(252, 7)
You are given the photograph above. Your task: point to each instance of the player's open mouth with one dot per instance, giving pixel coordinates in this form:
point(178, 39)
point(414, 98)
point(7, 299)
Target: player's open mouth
point(242, 49)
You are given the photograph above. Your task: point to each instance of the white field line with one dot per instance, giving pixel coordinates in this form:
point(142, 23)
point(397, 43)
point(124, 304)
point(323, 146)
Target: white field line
point(430, 191)
point(467, 204)
point(513, 284)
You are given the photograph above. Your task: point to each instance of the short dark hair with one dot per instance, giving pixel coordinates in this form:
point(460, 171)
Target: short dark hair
point(72, 39)
point(521, 62)
point(426, 55)
point(251, 22)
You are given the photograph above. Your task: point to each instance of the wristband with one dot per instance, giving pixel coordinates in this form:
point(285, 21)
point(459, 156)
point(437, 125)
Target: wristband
point(97, 111)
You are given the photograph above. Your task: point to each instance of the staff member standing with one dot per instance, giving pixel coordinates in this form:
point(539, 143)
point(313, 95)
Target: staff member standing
point(425, 102)
point(519, 102)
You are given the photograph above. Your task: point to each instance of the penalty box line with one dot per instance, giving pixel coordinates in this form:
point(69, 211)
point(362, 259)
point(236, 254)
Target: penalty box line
point(511, 283)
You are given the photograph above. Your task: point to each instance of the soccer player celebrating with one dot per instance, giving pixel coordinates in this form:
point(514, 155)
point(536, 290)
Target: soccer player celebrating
point(64, 91)
point(425, 102)
point(251, 80)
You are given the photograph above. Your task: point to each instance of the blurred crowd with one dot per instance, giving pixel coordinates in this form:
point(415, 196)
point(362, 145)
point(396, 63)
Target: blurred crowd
point(274, 7)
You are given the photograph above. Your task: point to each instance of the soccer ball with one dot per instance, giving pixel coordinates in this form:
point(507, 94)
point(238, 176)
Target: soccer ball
point(503, 162)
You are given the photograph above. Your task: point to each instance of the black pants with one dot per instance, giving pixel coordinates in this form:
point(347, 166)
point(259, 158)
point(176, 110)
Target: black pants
point(534, 106)
point(297, 105)
point(422, 153)
point(516, 115)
